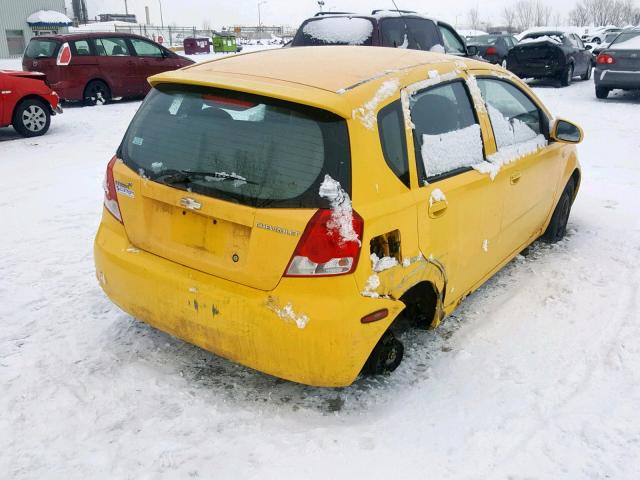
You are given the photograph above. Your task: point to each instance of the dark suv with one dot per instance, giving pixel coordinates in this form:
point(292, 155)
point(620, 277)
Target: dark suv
point(383, 28)
point(96, 67)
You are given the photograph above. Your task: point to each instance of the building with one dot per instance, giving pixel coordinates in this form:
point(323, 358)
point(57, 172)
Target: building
point(117, 17)
point(22, 19)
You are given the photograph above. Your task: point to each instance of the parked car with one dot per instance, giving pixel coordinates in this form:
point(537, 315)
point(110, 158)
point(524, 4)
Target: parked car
point(551, 55)
point(598, 35)
point(403, 29)
point(618, 66)
point(97, 67)
point(271, 209)
point(494, 48)
point(597, 49)
point(26, 102)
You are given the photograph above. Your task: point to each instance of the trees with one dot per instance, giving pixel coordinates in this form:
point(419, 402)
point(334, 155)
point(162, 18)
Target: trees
point(605, 12)
point(509, 17)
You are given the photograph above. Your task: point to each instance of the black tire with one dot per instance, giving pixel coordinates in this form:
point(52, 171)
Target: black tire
point(587, 74)
point(557, 228)
point(567, 76)
point(96, 92)
point(385, 357)
point(602, 93)
point(31, 118)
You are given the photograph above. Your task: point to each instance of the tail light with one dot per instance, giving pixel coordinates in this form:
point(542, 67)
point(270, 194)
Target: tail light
point(492, 51)
point(64, 55)
point(321, 252)
point(110, 195)
point(605, 59)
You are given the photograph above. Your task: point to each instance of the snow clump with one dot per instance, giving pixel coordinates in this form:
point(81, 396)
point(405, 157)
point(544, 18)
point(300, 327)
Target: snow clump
point(449, 151)
point(367, 112)
point(340, 30)
point(381, 264)
point(341, 210)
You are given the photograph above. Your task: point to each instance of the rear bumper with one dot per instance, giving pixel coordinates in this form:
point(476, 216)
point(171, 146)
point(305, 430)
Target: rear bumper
point(617, 79)
point(542, 71)
point(249, 326)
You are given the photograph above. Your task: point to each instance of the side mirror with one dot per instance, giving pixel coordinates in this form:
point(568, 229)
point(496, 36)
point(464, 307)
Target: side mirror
point(566, 132)
point(472, 50)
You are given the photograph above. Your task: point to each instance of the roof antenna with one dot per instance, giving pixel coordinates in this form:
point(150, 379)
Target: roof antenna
point(397, 9)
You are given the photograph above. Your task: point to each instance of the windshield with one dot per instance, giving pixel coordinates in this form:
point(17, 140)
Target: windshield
point(630, 40)
point(335, 31)
point(484, 40)
point(41, 48)
point(244, 148)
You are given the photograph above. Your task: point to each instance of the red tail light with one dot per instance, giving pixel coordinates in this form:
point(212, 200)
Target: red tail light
point(64, 55)
point(492, 51)
point(320, 251)
point(110, 194)
point(605, 59)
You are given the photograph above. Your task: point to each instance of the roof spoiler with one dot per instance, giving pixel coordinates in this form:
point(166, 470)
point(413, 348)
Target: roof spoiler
point(391, 10)
point(322, 14)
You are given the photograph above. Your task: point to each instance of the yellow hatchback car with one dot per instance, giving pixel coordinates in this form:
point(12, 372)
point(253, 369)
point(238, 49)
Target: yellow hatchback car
point(282, 209)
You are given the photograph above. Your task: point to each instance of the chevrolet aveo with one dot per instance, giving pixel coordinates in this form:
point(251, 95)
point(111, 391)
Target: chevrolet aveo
point(282, 209)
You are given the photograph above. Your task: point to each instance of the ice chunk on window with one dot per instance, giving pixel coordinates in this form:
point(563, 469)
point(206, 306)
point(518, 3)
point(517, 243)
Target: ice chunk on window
point(449, 151)
point(509, 132)
point(340, 30)
point(367, 112)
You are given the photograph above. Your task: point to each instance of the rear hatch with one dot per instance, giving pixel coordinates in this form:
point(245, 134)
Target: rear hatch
point(536, 54)
point(225, 182)
point(626, 52)
point(40, 56)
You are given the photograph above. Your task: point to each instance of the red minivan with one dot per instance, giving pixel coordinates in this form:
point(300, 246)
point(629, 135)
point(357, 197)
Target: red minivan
point(98, 67)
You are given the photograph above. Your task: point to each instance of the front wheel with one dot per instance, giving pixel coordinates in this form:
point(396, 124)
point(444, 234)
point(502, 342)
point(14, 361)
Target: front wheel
point(31, 118)
point(602, 92)
point(567, 76)
point(557, 228)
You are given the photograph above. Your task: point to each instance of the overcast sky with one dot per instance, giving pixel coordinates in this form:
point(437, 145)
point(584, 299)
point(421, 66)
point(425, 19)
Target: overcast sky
point(292, 12)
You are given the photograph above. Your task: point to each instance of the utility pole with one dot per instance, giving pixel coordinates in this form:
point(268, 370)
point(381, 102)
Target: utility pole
point(126, 8)
point(259, 17)
point(161, 19)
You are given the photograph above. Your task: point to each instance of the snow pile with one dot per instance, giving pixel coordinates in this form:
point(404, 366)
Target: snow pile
point(631, 44)
point(48, 17)
point(381, 264)
point(542, 39)
point(437, 196)
point(373, 283)
point(449, 151)
point(340, 30)
point(367, 112)
point(510, 154)
point(509, 132)
point(287, 313)
point(341, 210)
point(405, 42)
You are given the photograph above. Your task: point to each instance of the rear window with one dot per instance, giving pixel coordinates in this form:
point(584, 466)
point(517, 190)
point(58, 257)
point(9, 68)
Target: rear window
point(484, 40)
point(41, 49)
point(630, 40)
point(413, 33)
point(335, 31)
point(248, 149)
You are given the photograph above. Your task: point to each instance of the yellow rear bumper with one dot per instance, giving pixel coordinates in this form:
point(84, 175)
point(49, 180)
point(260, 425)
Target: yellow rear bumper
point(306, 330)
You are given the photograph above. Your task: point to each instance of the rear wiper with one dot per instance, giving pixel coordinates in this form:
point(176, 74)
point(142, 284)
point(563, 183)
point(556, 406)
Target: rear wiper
point(171, 177)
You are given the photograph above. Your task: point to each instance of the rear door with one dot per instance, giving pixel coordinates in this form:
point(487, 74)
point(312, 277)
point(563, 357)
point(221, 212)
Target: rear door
point(40, 56)
point(528, 168)
point(257, 165)
point(458, 214)
point(116, 65)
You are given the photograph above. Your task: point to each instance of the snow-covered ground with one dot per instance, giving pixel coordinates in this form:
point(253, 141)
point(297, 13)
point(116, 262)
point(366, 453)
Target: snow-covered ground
point(536, 376)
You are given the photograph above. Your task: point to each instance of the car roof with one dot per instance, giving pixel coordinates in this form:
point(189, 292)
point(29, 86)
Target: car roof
point(66, 37)
point(291, 73)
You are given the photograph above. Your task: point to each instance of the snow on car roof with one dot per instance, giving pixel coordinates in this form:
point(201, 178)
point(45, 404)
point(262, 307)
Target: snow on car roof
point(339, 29)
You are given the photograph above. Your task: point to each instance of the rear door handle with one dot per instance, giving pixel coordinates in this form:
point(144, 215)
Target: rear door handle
point(515, 178)
point(437, 209)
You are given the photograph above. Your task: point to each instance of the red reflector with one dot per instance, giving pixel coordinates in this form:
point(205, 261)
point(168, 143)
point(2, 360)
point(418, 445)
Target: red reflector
point(492, 51)
point(375, 316)
point(231, 102)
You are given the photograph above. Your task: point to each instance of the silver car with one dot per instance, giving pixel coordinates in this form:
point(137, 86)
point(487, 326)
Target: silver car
point(618, 66)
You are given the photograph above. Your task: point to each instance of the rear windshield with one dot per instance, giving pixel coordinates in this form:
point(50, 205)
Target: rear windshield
point(630, 40)
point(41, 48)
point(484, 40)
point(413, 33)
point(243, 148)
point(335, 31)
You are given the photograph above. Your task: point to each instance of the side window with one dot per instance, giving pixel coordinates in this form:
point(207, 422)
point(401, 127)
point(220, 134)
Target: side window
point(452, 44)
point(447, 135)
point(82, 47)
point(393, 140)
point(514, 117)
point(112, 47)
point(146, 49)
point(579, 42)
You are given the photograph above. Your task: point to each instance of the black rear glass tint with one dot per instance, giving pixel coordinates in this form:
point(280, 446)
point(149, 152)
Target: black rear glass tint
point(413, 33)
point(41, 48)
point(243, 148)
